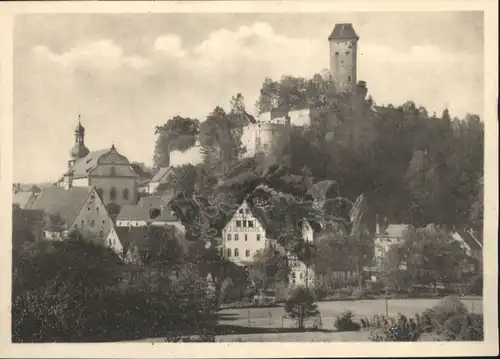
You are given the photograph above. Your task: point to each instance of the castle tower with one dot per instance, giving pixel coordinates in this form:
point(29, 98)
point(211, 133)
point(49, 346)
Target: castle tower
point(79, 150)
point(343, 57)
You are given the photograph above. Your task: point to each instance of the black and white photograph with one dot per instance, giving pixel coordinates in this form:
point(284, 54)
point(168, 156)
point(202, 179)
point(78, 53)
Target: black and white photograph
point(255, 176)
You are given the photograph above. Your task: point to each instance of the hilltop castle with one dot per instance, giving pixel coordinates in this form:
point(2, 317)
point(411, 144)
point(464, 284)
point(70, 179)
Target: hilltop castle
point(264, 135)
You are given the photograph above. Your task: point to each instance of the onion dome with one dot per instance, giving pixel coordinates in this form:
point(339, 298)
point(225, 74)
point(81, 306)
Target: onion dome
point(78, 151)
point(79, 128)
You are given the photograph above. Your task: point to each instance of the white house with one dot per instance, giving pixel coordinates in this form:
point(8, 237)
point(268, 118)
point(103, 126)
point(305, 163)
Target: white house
point(161, 177)
point(385, 239)
point(245, 234)
point(113, 242)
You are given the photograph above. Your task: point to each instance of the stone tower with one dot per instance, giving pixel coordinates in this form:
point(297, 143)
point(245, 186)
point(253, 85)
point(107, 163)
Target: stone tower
point(79, 150)
point(343, 57)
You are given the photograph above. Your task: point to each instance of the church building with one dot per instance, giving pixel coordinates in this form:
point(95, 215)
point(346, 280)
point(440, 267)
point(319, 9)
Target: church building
point(107, 170)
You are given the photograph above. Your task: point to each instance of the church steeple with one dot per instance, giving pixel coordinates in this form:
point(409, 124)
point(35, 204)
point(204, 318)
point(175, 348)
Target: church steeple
point(79, 150)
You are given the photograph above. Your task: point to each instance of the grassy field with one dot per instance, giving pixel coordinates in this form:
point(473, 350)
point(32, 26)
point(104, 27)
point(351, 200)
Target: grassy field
point(265, 320)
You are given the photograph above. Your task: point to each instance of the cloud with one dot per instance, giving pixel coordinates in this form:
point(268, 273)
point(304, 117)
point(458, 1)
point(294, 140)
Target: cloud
point(102, 55)
point(123, 94)
point(170, 45)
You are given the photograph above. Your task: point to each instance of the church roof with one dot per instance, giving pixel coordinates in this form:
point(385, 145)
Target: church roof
point(84, 165)
point(66, 202)
point(141, 211)
point(343, 32)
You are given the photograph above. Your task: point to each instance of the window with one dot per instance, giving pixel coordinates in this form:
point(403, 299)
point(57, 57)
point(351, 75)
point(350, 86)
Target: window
point(101, 233)
point(293, 275)
point(236, 252)
point(88, 208)
point(250, 224)
point(112, 194)
point(229, 252)
point(92, 223)
point(238, 223)
point(113, 172)
point(336, 53)
point(347, 52)
point(228, 236)
point(244, 224)
point(125, 194)
point(247, 253)
point(103, 221)
point(342, 62)
point(236, 237)
point(97, 209)
point(246, 237)
point(83, 222)
point(301, 275)
point(247, 211)
point(241, 211)
point(258, 237)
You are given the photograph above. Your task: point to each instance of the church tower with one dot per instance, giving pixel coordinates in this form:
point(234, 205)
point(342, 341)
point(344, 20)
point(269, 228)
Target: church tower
point(343, 57)
point(79, 150)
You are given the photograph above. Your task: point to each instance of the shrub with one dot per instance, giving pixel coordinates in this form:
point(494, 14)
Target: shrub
point(320, 292)
point(300, 306)
point(476, 285)
point(358, 293)
point(344, 323)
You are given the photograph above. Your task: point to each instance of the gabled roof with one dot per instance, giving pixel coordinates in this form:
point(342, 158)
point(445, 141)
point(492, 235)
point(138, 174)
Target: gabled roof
point(470, 240)
point(160, 174)
point(343, 32)
point(67, 203)
point(22, 198)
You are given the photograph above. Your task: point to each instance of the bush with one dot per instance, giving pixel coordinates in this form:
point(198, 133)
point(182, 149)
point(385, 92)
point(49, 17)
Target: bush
point(344, 323)
point(476, 285)
point(320, 293)
point(358, 293)
point(300, 306)
point(82, 302)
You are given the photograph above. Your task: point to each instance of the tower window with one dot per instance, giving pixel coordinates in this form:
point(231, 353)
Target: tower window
point(125, 194)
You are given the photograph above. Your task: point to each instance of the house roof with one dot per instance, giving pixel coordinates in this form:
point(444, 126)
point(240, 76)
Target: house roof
point(395, 230)
point(141, 211)
point(160, 174)
point(141, 170)
point(343, 31)
point(22, 198)
point(67, 203)
point(472, 242)
point(133, 235)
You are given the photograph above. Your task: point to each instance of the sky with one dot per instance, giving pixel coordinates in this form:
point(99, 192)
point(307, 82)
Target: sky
point(125, 74)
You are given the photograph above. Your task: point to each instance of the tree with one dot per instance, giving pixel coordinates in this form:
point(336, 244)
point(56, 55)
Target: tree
point(430, 256)
point(179, 133)
point(268, 267)
point(300, 306)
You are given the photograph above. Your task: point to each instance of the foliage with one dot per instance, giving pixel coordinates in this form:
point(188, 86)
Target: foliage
point(179, 133)
point(300, 306)
point(75, 292)
point(268, 267)
point(476, 285)
point(344, 323)
point(403, 330)
point(427, 256)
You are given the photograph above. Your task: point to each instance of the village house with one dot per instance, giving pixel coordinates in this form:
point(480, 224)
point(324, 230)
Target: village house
point(473, 248)
point(154, 210)
point(24, 200)
point(248, 232)
point(161, 177)
point(74, 208)
point(384, 239)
